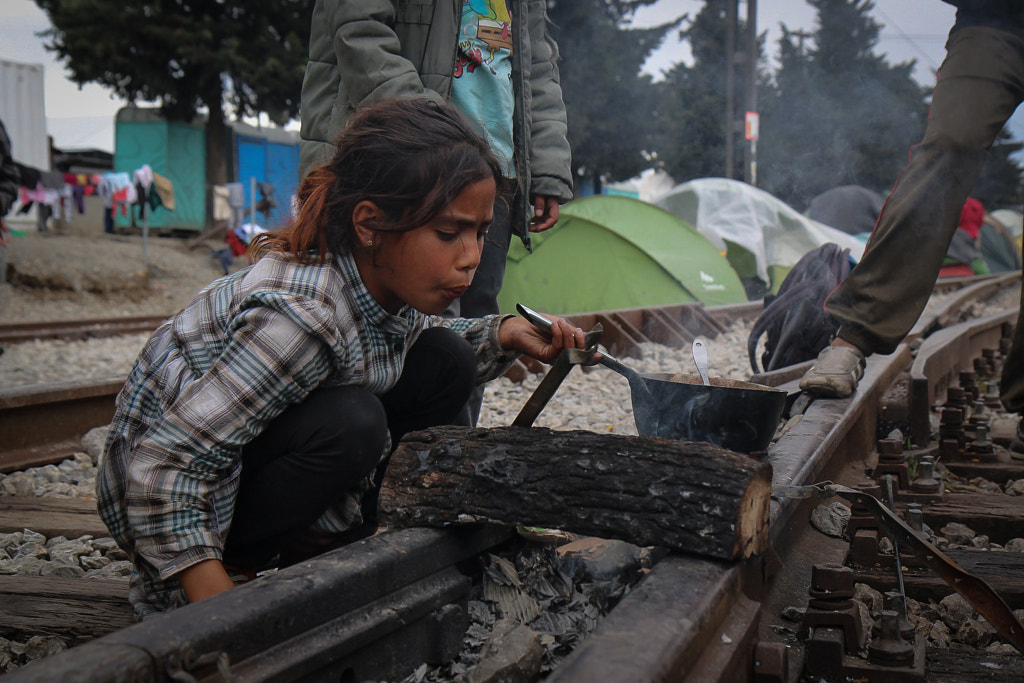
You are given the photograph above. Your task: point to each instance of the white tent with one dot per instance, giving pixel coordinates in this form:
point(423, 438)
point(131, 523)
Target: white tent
point(776, 235)
point(1010, 219)
point(651, 183)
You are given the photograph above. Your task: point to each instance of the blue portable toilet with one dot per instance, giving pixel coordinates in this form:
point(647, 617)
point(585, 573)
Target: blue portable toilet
point(270, 155)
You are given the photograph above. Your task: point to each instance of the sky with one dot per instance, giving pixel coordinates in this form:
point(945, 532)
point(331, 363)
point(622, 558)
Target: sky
point(83, 117)
point(912, 29)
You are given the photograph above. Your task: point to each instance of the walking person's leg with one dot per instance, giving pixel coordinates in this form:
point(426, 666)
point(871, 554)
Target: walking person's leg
point(979, 86)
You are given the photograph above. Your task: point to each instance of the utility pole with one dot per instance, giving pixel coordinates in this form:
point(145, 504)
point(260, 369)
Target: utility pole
point(730, 80)
point(741, 52)
point(752, 118)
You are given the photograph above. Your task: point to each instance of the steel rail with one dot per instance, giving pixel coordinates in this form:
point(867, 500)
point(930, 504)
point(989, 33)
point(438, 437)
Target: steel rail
point(699, 620)
point(369, 611)
point(954, 310)
point(44, 423)
point(940, 359)
point(671, 626)
point(78, 329)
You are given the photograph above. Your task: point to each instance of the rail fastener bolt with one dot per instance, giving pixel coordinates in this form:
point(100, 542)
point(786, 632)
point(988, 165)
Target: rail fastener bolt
point(832, 605)
point(926, 481)
point(889, 648)
point(992, 400)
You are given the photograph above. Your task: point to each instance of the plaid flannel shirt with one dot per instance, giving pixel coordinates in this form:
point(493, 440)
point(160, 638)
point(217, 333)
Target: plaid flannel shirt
point(213, 376)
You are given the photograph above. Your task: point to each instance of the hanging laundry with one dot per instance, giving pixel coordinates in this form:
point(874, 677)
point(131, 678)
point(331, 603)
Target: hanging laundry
point(105, 191)
point(122, 195)
point(78, 195)
point(36, 193)
point(143, 181)
point(143, 176)
point(267, 203)
point(82, 181)
point(67, 202)
point(236, 198)
point(221, 205)
point(48, 200)
point(164, 192)
point(123, 192)
point(234, 244)
point(52, 180)
point(247, 231)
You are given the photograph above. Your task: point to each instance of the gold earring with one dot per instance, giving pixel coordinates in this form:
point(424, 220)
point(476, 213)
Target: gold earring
point(369, 243)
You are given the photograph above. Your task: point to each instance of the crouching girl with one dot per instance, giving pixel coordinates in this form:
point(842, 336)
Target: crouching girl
point(256, 418)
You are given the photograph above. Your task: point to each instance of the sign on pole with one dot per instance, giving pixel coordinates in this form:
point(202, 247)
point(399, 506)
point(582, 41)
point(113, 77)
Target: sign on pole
point(753, 124)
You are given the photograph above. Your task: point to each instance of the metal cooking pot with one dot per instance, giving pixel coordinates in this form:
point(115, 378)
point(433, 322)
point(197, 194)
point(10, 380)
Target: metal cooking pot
point(740, 416)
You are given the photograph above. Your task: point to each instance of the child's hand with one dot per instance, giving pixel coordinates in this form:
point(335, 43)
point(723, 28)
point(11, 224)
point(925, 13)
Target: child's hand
point(545, 214)
point(518, 334)
point(204, 579)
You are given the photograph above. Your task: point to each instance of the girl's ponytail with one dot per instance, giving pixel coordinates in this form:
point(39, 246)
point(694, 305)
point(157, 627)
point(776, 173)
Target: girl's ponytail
point(307, 233)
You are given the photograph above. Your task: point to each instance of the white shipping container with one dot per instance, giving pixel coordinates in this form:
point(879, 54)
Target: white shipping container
point(23, 110)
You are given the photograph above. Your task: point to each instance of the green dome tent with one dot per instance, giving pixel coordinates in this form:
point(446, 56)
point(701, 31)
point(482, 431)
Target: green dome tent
point(608, 252)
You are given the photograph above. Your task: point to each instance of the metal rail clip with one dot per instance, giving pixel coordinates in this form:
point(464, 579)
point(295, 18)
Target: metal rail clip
point(979, 594)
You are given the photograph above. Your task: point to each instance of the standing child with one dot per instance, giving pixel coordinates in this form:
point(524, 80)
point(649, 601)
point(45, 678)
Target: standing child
point(258, 415)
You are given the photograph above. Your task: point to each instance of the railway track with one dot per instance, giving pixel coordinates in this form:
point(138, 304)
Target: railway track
point(78, 329)
point(379, 608)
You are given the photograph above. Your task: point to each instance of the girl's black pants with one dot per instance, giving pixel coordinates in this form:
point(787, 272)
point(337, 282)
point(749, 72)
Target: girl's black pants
point(316, 450)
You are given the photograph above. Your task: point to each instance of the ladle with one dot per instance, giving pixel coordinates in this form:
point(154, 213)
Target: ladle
point(700, 359)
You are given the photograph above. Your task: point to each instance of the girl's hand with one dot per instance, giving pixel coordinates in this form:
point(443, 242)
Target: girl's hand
point(204, 579)
point(518, 334)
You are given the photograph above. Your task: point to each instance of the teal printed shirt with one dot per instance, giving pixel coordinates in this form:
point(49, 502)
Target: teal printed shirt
point(482, 87)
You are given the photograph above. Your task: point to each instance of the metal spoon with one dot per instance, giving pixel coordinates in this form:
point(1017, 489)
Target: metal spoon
point(700, 357)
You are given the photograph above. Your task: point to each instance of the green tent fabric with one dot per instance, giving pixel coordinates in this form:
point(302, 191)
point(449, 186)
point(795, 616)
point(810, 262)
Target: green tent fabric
point(608, 252)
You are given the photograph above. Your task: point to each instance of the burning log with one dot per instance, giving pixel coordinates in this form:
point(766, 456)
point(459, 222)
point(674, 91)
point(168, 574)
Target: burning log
point(687, 496)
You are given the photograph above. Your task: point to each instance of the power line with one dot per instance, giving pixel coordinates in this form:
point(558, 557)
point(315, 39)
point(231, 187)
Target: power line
point(906, 36)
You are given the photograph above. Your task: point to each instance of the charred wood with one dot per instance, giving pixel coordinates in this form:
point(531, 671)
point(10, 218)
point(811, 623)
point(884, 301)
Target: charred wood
point(686, 496)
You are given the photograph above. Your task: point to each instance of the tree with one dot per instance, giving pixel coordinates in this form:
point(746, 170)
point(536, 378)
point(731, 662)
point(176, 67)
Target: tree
point(608, 103)
point(693, 99)
point(188, 55)
point(841, 114)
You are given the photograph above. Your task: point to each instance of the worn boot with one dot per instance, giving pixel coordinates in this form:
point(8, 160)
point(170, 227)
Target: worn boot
point(836, 372)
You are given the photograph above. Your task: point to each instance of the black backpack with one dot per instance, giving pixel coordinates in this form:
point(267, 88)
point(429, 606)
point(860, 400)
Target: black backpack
point(795, 319)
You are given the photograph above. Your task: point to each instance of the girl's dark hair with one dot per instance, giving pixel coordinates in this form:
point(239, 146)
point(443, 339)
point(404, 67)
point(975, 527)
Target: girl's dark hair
point(411, 157)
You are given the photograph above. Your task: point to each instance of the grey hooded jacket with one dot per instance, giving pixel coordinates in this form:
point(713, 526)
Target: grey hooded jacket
point(364, 51)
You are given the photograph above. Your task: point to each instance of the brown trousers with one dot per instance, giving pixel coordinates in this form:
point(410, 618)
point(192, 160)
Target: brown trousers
point(979, 85)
